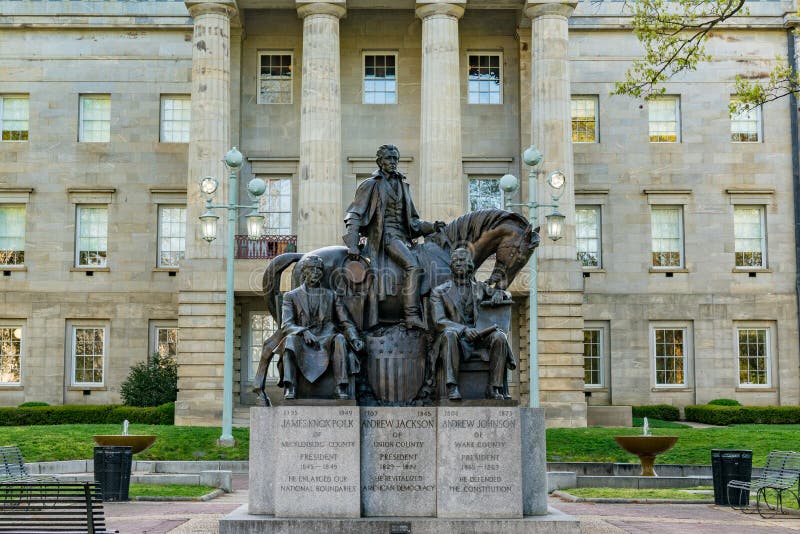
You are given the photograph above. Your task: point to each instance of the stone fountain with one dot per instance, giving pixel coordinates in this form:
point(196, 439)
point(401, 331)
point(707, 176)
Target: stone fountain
point(138, 442)
point(646, 447)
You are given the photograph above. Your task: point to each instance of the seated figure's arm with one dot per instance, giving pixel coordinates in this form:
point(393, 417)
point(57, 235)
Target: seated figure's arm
point(289, 325)
point(496, 295)
point(439, 314)
point(343, 320)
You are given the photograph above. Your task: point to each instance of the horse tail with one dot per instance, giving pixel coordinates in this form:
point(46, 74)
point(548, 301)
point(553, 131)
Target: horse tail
point(271, 281)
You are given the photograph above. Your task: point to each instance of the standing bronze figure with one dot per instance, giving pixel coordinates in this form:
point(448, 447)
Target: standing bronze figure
point(384, 212)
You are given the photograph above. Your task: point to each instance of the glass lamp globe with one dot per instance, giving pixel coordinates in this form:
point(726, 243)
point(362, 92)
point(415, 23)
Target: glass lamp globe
point(555, 226)
point(208, 226)
point(208, 185)
point(557, 179)
point(255, 223)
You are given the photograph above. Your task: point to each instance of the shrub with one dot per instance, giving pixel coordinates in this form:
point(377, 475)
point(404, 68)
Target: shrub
point(733, 415)
point(724, 402)
point(665, 412)
point(151, 383)
point(31, 404)
point(71, 414)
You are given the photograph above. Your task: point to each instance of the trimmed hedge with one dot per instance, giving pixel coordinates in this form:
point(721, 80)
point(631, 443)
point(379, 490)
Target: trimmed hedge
point(739, 415)
point(724, 402)
point(665, 412)
point(72, 414)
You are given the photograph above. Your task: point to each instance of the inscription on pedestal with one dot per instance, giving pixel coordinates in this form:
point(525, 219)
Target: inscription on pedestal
point(317, 461)
point(479, 462)
point(398, 461)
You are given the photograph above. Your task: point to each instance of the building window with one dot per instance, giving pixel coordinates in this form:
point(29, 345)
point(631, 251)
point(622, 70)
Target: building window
point(667, 236)
point(664, 119)
point(380, 78)
point(669, 354)
point(754, 356)
point(171, 235)
point(485, 85)
point(750, 237)
point(593, 357)
point(276, 203)
point(262, 326)
point(91, 236)
point(164, 339)
point(12, 234)
point(14, 114)
point(10, 354)
point(584, 119)
point(176, 114)
point(88, 355)
point(95, 119)
point(275, 78)
point(746, 125)
point(484, 194)
point(587, 235)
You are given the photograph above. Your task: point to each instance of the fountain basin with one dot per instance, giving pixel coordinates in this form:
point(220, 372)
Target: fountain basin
point(139, 442)
point(646, 448)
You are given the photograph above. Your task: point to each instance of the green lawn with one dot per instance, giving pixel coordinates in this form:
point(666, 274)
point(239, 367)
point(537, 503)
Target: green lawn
point(693, 446)
point(631, 493)
point(168, 490)
point(67, 442)
point(70, 442)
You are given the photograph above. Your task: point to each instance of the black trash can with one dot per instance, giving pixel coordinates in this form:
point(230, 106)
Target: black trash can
point(112, 470)
point(727, 465)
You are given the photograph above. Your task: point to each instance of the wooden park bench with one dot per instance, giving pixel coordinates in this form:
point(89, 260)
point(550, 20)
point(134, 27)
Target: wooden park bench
point(36, 506)
point(781, 474)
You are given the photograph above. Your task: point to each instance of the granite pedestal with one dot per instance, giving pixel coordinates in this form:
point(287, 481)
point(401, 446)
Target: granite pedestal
point(474, 469)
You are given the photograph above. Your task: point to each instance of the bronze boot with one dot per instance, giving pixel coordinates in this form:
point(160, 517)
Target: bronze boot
point(411, 299)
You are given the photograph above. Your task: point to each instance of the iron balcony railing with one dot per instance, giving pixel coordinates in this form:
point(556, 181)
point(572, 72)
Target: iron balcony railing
point(264, 248)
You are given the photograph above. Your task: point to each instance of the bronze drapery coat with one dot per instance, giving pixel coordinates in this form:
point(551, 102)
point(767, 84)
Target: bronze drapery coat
point(367, 209)
point(296, 318)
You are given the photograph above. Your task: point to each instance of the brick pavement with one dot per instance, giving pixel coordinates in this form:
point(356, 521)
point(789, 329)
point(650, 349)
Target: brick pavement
point(189, 517)
point(602, 518)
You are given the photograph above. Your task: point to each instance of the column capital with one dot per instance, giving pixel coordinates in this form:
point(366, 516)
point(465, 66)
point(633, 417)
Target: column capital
point(336, 8)
point(539, 8)
point(219, 7)
point(429, 8)
point(791, 20)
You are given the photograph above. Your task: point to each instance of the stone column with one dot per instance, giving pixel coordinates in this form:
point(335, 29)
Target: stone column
point(201, 300)
point(560, 280)
point(320, 215)
point(442, 185)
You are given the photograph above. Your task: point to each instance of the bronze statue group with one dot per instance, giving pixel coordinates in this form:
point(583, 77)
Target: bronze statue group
point(378, 280)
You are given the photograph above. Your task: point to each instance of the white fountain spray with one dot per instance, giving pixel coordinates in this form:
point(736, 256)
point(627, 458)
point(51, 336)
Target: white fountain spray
point(125, 427)
point(645, 428)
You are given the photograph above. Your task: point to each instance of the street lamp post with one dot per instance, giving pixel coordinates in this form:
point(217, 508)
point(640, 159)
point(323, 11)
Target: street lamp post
point(555, 227)
point(208, 228)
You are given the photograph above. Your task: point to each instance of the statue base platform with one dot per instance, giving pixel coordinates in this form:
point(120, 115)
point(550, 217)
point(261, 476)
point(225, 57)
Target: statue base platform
point(241, 522)
point(351, 469)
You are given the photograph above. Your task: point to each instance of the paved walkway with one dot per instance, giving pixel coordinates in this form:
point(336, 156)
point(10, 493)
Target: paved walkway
point(188, 517)
point(600, 518)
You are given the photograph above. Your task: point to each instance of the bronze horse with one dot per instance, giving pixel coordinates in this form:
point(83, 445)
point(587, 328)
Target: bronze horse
point(505, 234)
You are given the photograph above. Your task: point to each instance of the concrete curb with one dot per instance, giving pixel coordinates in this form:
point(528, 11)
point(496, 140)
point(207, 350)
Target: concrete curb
point(609, 500)
point(207, 497)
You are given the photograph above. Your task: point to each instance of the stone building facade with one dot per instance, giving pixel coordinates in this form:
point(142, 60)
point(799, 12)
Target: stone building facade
point(675, 281)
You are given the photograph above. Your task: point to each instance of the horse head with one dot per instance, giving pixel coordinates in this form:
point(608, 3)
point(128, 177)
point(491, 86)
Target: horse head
point(513, 252)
